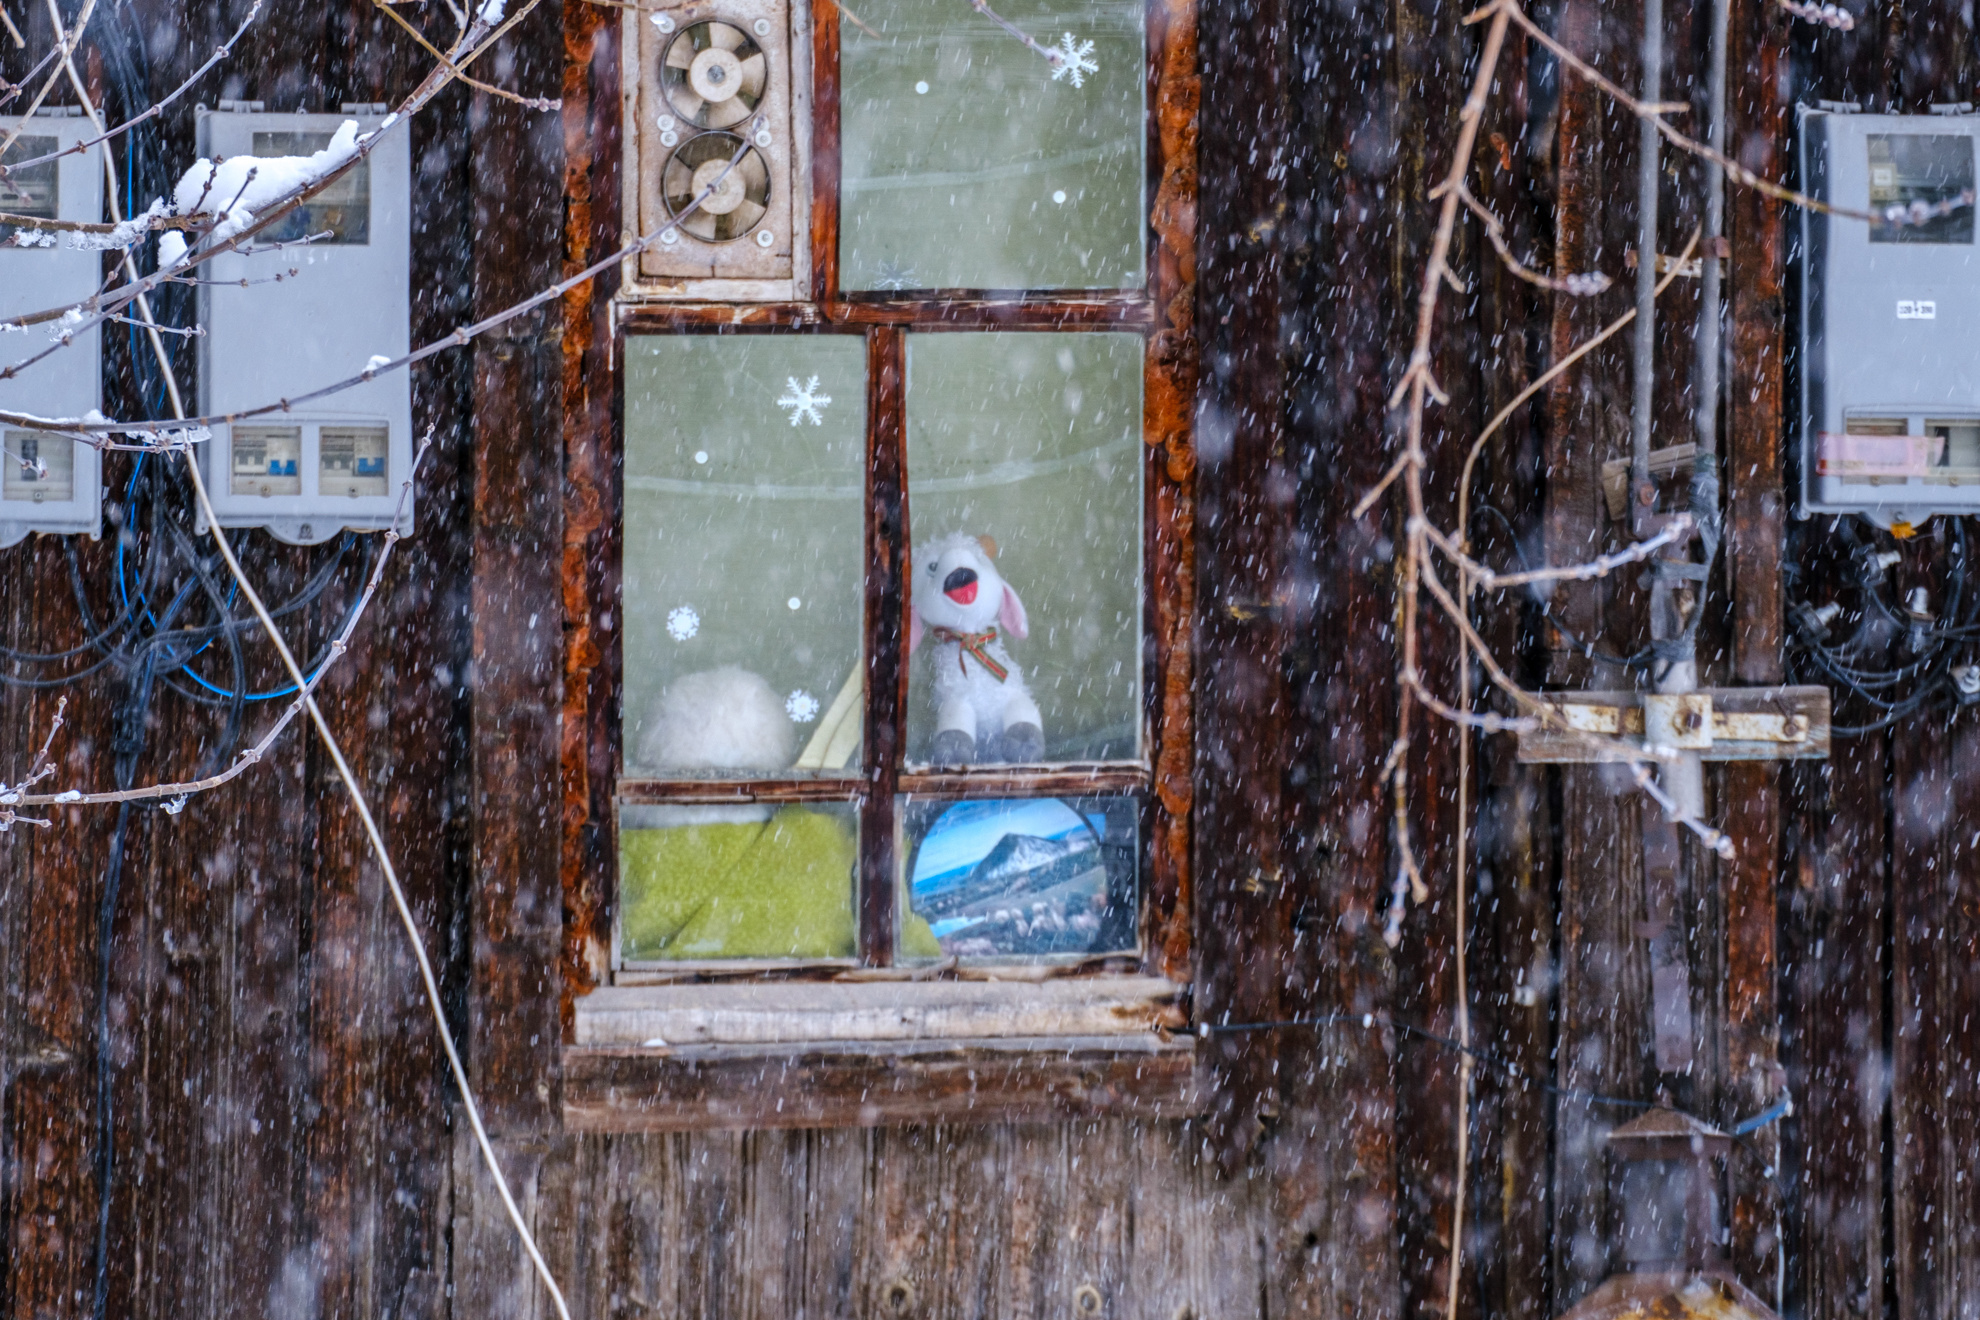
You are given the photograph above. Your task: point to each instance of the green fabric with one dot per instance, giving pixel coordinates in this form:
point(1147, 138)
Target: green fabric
point(780, 888)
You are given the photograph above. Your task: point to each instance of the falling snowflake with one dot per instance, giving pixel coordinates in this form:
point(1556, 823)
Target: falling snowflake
point(805, 401)
point(801, 706)
point(683, 622)
point(894, 277)
point(1073, 59)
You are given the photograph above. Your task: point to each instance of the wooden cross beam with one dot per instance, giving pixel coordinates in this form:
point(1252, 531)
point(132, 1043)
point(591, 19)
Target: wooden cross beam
point(1714, 724)
point(1720, 724)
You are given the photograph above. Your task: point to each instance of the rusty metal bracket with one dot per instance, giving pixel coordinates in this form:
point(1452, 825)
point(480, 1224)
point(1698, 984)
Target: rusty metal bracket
point(1720, 724)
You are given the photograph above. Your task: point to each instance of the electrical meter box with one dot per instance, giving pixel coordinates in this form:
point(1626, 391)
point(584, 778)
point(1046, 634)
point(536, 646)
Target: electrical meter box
point(50, 483)
point(1890, 325)
point(307, 303)
point(718, 102)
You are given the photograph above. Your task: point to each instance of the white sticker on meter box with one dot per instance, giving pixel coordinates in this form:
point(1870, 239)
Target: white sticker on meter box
point(1923, 309)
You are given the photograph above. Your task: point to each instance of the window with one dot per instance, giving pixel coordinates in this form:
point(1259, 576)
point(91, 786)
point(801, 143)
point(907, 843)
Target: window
point(892, 593)
point(1921, 178)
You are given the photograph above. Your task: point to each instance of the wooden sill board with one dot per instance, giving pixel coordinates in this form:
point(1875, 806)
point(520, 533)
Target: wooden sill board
point(853, 1084)
point(869, 1012)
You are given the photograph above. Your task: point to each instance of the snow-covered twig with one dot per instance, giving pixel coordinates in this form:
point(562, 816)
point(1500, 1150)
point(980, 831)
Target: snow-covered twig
point(1827, 15)
point(474, 42)
point(531, 102)
point(1711, 838)
point(1734, 170)
point(252, 756)
point(220, 52)
point(13, 796)
point(1675, 532)
point(1070, 59)
point(99, 427)
point(62, 50)
point(1577, 286)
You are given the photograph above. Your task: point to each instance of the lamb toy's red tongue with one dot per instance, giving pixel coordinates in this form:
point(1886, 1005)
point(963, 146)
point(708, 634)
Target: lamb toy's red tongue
point(963, 595)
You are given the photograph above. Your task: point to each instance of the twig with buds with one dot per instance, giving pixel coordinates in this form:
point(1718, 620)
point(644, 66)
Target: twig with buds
point(13, 796)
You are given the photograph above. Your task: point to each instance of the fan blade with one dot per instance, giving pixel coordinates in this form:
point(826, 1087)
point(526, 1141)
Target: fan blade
point(728, 38)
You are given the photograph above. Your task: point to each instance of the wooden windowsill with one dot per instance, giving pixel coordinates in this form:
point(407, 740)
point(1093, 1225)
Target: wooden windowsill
point(784, 1055)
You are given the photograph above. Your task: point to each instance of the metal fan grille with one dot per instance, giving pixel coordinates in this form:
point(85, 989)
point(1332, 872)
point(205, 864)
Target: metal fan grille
point(714, 75)
point(732, 211)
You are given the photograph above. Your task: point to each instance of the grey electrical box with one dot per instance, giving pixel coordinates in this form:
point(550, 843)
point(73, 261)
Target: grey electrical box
point(341, 461)
point(50, 483)
point(1890, 325)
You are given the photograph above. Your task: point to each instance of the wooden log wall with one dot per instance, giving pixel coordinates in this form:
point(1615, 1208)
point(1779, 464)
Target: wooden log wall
point(277, 1099)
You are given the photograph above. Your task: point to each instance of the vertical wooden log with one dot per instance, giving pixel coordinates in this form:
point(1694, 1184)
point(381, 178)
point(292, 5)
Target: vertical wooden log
point(1169, 399)
point(517, 167)
point(51, 978)
point(1582, 431)
point(1333, 1158)
point(1242, 512)
point(825, 154)
point(1925, 1151)
point(591, 468)
point(1758, 107)
point(1835, 959)
point(887, 542)
point(1603, 994)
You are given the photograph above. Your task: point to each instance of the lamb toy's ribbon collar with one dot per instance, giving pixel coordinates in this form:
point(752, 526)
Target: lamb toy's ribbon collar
point(973, 644)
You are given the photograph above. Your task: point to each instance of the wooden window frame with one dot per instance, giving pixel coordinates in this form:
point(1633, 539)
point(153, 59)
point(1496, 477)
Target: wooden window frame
point(621, 1085)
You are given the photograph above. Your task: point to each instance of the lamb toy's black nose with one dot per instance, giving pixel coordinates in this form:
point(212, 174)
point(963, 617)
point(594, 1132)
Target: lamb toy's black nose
point(959, 579)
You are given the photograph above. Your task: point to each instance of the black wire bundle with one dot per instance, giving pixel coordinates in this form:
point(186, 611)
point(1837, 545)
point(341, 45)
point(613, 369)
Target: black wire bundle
point(1896, 662)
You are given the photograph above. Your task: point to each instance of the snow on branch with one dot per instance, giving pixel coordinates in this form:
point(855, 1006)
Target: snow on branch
point(95, 429)
point(13, 796)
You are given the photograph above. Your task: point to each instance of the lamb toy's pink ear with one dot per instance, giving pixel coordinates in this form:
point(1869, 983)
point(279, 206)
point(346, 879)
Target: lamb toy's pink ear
point(914, 629)
point(1011, 615)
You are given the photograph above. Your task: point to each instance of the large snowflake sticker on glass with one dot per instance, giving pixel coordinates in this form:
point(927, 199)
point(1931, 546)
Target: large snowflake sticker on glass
point(805, 401)
point(1073, 60)
point(683, 622)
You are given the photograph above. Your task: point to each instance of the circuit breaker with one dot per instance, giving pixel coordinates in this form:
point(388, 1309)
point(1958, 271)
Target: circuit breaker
point(1890, 326)
point(717, 106)
point(50, 483)
point(341, 461)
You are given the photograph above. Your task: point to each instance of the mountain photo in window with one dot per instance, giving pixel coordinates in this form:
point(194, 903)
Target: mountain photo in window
point(1024, 878)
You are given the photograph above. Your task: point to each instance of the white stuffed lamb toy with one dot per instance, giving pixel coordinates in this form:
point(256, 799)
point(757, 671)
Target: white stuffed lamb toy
point(983, 711)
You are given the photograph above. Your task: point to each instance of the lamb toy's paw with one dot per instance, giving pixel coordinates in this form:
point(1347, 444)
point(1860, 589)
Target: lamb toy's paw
point(953, 747)
point(1023, 742)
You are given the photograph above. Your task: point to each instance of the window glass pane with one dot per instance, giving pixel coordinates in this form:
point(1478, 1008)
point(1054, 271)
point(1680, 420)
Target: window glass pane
point(34, 192)
point(965, 163)
point(1024, 498)
point(744, 511)
point(1925, 180)
point(38, 467)
point(698, 882)
point(1018, 878)
point(267, 460)
point(340, 213)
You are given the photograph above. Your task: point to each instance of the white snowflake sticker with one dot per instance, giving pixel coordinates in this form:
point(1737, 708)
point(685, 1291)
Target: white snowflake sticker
point(683, 622)
point(1074, 60)
point(805, 401)
point(895, 276)
point(801, 706)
